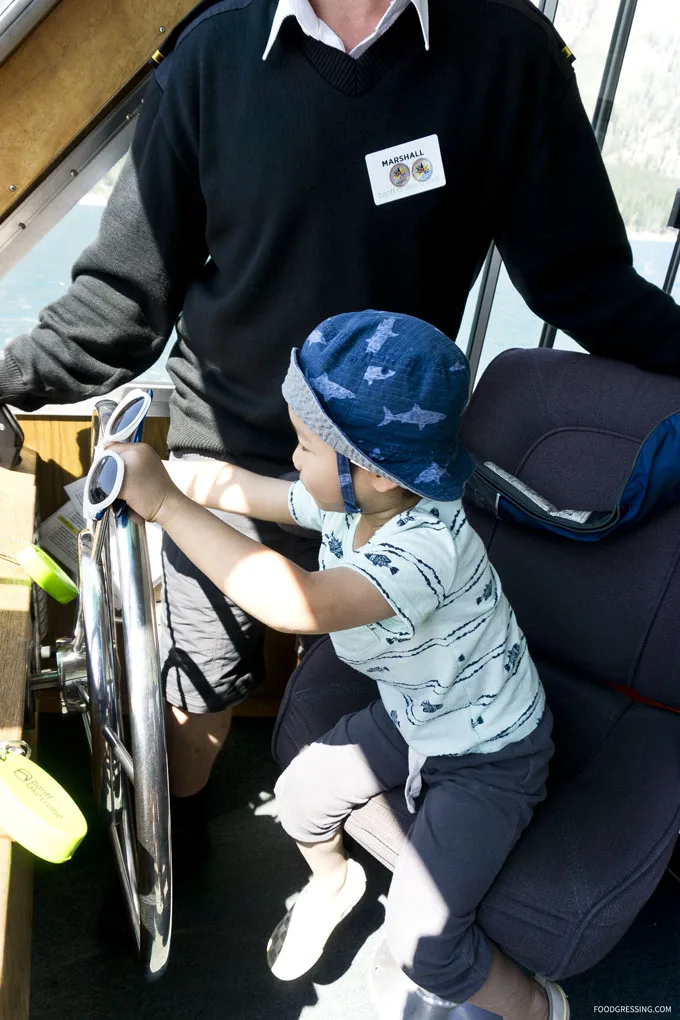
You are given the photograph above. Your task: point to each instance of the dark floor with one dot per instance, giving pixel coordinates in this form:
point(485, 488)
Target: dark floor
point(82, 965)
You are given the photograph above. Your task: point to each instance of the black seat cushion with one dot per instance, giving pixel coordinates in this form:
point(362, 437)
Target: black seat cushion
point(600, 619)
point(597, 846)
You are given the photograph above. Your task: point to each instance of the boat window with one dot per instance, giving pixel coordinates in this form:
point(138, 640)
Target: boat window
point(17, 19)
point(642, 150)
point(44, 273)
point(642, 154)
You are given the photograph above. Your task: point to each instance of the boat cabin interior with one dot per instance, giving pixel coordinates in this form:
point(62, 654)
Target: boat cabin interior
point(590, 896)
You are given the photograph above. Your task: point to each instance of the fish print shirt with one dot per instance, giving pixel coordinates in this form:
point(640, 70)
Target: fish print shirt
point(452, 665)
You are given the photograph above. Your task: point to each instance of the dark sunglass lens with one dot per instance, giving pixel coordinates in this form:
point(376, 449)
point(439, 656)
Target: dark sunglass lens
point(103, 480)
point(126, 417)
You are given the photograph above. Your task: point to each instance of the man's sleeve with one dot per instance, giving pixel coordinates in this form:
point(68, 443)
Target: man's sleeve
point(128, 287)
point(565, 246)
point(303, 509)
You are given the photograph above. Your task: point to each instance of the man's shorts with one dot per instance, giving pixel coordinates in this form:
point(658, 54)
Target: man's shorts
point(211, 652)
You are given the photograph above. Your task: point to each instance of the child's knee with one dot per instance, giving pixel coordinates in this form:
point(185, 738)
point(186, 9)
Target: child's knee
point(298, 804)
point(288, 801)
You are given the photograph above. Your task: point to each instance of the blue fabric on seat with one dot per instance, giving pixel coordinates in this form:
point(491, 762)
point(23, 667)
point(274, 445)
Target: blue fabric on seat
point(652, 483)
point(595, 615)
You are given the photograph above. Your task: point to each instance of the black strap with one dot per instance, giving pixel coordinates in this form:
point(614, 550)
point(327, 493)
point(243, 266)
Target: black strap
point(11, 439)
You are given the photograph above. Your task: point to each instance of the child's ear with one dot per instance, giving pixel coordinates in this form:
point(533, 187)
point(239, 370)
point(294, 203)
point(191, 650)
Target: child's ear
point(382, 484)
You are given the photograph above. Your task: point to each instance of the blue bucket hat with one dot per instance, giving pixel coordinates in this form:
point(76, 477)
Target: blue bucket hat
point(386, 392)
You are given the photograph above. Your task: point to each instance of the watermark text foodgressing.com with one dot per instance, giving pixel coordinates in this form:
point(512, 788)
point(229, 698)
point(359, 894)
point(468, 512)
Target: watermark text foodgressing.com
point(632, 1009)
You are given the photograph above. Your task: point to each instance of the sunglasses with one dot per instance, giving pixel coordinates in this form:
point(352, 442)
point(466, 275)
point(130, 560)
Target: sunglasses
point(105, 477)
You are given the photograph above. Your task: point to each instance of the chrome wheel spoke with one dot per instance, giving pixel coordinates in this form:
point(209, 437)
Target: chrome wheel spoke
point(138, 813)
point(121, 752)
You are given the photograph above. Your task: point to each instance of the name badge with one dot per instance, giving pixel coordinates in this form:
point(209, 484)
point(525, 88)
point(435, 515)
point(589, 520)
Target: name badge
point(405, 169)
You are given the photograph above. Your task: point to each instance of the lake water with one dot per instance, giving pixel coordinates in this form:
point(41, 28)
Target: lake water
point(44, 274)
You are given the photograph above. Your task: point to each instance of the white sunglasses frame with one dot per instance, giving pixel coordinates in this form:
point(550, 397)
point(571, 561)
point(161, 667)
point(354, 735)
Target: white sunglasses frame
point(119, 437)
point(94, 511)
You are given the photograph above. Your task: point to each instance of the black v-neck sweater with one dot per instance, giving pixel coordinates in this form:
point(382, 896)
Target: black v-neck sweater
point(246, 215)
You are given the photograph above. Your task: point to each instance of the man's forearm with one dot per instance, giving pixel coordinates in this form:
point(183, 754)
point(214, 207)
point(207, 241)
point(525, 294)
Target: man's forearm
point(128, 286)
point(565, 246)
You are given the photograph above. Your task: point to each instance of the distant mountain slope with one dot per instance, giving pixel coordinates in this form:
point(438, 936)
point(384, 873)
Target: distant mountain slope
point(642, 149)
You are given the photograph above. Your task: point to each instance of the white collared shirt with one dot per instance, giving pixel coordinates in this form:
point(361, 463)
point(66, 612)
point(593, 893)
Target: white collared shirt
point(312, 26)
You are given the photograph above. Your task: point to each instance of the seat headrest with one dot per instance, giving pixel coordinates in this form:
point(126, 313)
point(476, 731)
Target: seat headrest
point(568, 425)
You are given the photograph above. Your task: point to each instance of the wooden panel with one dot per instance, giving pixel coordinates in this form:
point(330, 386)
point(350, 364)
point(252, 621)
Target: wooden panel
point(15, 946)
point(65, 73)
point(17, 507)
point(63, 445)
point(64, 448)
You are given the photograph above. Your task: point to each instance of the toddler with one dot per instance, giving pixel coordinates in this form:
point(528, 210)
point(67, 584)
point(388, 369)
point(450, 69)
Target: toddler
point(409, 597)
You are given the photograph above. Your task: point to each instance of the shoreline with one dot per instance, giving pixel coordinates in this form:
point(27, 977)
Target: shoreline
point(648, 235)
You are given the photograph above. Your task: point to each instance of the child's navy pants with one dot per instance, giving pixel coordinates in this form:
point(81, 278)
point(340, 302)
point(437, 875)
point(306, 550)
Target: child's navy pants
point(472, 811)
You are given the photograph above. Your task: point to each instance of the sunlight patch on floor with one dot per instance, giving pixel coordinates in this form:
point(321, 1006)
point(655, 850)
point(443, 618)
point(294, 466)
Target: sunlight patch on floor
point(266, 806)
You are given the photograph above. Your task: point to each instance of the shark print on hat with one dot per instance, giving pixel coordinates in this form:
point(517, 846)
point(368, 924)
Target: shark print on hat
point(385, 381)
point(328, 389)
point(431, 474)
point(374, 373)
point(383, 332)
point(416, 416)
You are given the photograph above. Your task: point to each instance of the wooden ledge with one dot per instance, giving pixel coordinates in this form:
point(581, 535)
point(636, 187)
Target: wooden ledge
point(17, 512)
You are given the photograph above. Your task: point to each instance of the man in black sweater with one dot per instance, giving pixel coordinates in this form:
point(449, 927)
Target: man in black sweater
point(293, 161)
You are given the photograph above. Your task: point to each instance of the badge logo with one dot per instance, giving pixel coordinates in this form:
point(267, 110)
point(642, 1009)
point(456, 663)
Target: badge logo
point(421, 170)
point(406, 170)
point(399, 175)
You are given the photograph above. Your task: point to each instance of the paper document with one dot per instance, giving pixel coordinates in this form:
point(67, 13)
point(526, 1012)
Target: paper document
point(75, 490)
point(59, 537)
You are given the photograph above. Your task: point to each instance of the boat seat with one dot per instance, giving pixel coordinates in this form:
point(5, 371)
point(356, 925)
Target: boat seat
point(601, 622)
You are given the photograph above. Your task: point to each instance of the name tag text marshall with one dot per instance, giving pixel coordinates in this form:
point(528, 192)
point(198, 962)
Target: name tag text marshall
point(403, 157)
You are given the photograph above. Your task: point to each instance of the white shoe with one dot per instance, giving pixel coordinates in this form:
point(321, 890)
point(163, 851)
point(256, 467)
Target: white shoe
point(558, 1006)
point(298, 940)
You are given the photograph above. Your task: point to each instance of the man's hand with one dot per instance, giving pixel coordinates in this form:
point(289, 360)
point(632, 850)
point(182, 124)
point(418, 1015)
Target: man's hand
point(147, 486)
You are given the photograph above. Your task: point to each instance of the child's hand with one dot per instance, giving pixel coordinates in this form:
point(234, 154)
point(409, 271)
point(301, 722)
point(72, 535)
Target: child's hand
point(146, 483)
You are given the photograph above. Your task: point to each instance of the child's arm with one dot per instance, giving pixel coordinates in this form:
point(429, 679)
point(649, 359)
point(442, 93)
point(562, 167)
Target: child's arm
point(223, 486)
point(265, 584)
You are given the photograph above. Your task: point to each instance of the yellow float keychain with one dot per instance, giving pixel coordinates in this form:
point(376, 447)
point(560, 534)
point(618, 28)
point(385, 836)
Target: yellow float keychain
point(47, 573)
point(44, 571)
point(34, 809)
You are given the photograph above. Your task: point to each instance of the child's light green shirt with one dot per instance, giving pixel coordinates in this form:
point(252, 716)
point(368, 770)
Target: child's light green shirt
point(451, 665)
